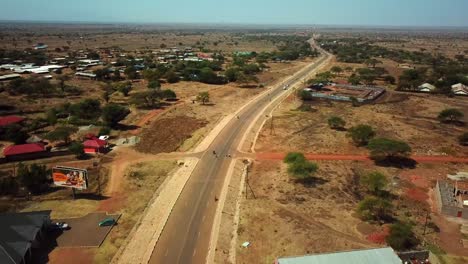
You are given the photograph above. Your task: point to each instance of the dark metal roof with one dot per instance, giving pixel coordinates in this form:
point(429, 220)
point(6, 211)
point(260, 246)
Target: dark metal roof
point(18, 231)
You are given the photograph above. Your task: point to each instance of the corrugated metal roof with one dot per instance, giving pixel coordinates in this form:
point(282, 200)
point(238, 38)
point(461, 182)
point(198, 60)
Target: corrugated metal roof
point(367, 256)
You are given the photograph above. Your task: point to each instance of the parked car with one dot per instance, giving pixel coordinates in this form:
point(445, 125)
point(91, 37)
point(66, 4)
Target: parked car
point(59, 226)
point(107, 222)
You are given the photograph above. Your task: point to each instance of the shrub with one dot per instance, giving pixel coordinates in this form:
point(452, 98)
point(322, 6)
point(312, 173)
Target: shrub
point(450, 115)
point(302, 169)
point(374, 182)
point(463, 139)
point(383, 148)
point(292, 157)
point(401, 236)
point(374, 208)
point(336, 122)
point(361, 134)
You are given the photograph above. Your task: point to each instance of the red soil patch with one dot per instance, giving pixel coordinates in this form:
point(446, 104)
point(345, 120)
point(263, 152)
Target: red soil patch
point(417, 194)
point(380, 236)
point(112, 204)
point(71, 256)
point(145, 120)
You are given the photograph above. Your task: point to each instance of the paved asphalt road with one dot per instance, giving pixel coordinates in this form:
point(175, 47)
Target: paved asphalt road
point(186, 236)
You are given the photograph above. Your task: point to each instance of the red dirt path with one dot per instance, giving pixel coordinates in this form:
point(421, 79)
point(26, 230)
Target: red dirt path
point(419, 159)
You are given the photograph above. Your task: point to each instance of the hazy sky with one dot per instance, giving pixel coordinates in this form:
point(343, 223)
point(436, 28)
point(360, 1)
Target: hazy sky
point(324, 12)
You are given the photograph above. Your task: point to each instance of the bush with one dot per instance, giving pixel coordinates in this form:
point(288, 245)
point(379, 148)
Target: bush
point(302, 169)
point(305, 95)
point(203, 97)
point(33, 177)
point(77, 149)
point(292, 157)
point(450, 115)
point(401, 237)
point(374, 208)
point(361, 134)
point(374, 182)
point(383, 148)
point(105, 131)
point(112, 114)
point(463, 139)
point(336, 122)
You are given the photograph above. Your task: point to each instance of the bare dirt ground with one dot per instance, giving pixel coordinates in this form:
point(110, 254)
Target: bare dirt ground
point(288, 218)
point(282, 217)
point(404, 116)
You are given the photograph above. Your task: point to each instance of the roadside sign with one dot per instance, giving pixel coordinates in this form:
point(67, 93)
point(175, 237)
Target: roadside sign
point(70, 177)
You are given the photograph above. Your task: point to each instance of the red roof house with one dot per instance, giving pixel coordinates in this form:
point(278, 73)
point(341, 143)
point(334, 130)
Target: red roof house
point(16, 150)
point(8, 120)
point(94, 145)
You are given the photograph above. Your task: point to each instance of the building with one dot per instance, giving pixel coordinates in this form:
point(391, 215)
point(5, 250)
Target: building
point(86, 75)
point(9, 120)
point(95, 145)
point(20, 232)
point(40, 46)
point(341, 92)
point(426, 88)
point(452, 198)
point(9, 77)
point(24, 151)
point(460, 89)
point(365, 256)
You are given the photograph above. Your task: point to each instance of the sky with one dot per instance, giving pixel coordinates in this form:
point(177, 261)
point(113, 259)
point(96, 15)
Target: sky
point(426, 13)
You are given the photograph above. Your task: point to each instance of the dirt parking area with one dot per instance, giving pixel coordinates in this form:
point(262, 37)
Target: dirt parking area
point(85, 231)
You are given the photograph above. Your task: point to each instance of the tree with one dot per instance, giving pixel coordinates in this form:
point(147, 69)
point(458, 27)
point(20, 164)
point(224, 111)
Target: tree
point(293, 157)
point(147, 99)
point(374, 182)
point(374, 208)
point(86, 109)
point(336, 122)
point(463, 139)
point(302, 169)
point(305, 95)
point(168, 94)
point(62, 79)
point(384, 148)
point(401, 237)
point(203, 97)
point(172, 77)
point(105, 131)
point(154, 85)
point(336, 69)
point(389, 79)
point(372, 62)
point(77, 149)
point(16, 134)
point(354, 79)
point(62, 133)
point(112, 114)
point(361, 134)
point(450, 115)
point(33, 177)
point(124, 88)
point(131, 73)
point(51, 116)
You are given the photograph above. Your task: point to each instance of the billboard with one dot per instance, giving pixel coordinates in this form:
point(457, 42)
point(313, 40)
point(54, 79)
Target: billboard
point(70, 177)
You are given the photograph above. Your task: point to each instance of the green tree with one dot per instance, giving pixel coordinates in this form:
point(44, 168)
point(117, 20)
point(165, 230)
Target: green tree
point(305, 95)
point(293, 157)
point(154, 85)
point(62, 79)
point(384, 148)
point(33, 177)
point(361, 134)
point(302, 169)
point(374, 208)
point(463, 139)
point(336, 122)
point(450, 115)
point(62, 133)
point(105, 131)
point(77, 149)
point(336, 69)
point(203, 97)
point(354, 79)
point(168, 94)
point(131, 73)
point(15, 134)
point(51, 116)
point(86, 109)
point(172, 77)
point(112, 114)
point(374, 182)
point(124, 88)
point(401, 237)
point(148, 99)
point(389, 79)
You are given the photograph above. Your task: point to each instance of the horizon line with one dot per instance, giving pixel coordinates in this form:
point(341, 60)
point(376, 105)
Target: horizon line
point(220, 24)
